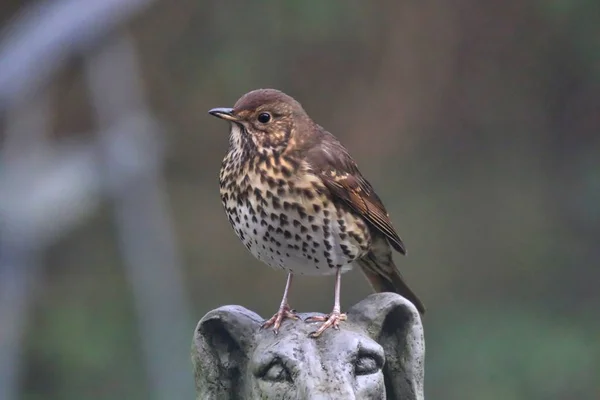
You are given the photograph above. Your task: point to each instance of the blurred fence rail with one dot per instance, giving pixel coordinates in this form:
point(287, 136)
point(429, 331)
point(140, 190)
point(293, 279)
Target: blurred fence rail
point(47, 186)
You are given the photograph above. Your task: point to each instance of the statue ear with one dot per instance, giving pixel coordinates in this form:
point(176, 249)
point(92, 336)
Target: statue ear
point(222, 341)
point(394, 323)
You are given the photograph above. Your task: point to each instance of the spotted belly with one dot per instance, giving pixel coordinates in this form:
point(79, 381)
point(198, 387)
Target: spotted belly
point(308, 237)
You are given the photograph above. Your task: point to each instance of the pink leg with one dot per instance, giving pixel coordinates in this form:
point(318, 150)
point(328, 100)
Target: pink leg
point(284, 310)
point(333, 319)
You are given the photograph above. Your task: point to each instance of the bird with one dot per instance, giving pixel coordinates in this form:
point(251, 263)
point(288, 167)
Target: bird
point(298, 202)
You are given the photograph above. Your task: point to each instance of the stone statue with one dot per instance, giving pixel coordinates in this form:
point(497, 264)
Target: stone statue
point(377, 353)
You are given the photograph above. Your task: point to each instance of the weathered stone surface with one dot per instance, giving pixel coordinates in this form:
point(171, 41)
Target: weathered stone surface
point(377, 354)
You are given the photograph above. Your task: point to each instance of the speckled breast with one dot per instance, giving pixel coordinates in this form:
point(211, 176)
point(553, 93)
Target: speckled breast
point(285, 219)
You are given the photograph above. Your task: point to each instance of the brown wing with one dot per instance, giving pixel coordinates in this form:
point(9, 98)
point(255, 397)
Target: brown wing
point(340, 175)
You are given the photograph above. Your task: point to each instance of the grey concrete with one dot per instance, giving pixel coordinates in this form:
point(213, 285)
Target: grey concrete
point(377, 354)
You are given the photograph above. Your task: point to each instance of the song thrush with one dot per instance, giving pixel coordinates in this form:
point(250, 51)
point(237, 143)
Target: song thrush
point(298, 202)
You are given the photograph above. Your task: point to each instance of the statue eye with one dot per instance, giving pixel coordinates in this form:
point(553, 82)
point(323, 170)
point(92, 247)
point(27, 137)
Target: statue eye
point(275, 372)
point(263, 118)
point(367, 364)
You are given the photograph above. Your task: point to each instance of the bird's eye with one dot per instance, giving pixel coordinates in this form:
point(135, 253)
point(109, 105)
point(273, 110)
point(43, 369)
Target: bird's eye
point(263, 118)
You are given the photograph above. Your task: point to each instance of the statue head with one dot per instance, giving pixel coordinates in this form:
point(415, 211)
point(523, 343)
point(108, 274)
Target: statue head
point(377, 354)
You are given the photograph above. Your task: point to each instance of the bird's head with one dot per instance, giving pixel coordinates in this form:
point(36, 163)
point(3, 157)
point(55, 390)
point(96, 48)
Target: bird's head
point(265, 120)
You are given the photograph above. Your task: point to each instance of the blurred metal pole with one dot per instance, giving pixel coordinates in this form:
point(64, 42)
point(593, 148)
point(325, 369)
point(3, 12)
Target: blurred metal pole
point(19, 264)
point(34, 46)
point(19, 269)
point(44, 34)
point(132, 155)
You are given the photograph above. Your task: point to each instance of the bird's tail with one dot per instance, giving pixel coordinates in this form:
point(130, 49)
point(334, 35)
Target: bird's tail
point(385, 277)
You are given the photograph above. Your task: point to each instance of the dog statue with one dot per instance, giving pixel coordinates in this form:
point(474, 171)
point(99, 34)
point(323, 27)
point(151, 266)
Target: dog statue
point(377, 353)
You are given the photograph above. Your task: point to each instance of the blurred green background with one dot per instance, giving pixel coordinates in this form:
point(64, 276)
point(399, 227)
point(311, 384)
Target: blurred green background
point(478, 123)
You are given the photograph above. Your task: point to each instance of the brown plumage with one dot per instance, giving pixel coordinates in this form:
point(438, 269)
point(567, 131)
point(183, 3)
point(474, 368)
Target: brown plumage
point(298, 202)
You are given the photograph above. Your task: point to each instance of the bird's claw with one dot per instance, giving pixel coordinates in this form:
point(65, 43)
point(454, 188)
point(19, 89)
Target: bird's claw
point(285, 312)
point(331, 320)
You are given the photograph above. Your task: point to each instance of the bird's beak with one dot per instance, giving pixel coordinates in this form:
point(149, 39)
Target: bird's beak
point(223, 113)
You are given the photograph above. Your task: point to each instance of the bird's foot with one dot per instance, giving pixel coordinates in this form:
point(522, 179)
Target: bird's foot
point(331, 320)
point(285, 312)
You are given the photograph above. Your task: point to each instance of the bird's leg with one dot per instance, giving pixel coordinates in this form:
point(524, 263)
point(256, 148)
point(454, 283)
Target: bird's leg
point(284, 309)
point(333, 319)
